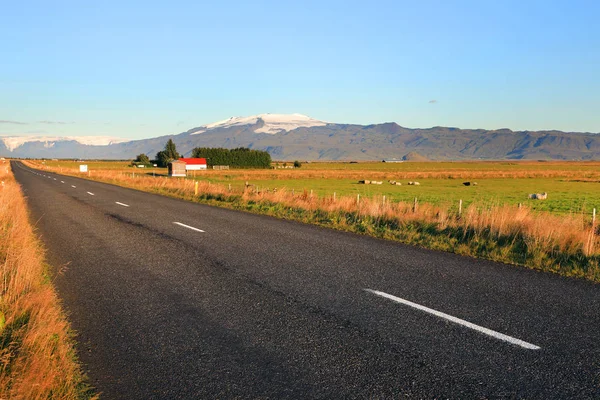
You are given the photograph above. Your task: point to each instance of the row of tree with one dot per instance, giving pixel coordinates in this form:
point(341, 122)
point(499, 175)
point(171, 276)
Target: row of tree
point(236, 158)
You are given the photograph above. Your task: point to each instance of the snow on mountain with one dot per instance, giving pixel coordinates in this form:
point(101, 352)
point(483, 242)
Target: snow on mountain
point(13, 142)
point(273, 123)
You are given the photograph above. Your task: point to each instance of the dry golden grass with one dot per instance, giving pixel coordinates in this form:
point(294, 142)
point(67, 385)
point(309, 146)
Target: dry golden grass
point(585, 171)
point(36, 350)
point(404, 175)
point(541, 240)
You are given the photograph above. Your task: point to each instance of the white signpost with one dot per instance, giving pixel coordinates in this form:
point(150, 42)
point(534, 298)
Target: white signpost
point(83, 168)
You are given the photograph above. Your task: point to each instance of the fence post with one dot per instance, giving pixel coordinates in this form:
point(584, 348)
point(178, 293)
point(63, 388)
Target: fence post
point(358, 199)
point(459, 207)
point(196, 188)
point(593, 217)
point(311, 193)
point(415, 205)
point(383, 203)
point(334, 197)
point(230, 187)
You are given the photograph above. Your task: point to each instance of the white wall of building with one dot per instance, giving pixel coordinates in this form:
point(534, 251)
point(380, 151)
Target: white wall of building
point(195, 167)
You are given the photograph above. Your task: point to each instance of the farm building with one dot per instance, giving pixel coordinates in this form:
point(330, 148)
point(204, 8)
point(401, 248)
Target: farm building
point(177, 168)
point(194, 164)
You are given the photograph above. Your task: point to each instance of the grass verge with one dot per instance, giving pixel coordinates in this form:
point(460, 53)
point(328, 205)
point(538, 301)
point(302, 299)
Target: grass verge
point(37, 357)
point(566, 245)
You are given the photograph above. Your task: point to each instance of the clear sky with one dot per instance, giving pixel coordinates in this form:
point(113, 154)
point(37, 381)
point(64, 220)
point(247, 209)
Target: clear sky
point(138, 69)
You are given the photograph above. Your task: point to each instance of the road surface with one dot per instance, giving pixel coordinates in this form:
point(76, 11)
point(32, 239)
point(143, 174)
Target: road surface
point(179, 300)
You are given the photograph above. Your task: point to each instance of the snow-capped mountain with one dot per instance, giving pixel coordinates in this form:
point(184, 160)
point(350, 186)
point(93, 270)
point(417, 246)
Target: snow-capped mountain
point(13, 142)
point(272, 123)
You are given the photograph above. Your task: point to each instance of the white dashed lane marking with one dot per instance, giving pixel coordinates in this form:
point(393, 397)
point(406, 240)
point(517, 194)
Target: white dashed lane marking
point(189, 227)
point(122, 204)
point(459, 321)
point(91, 194)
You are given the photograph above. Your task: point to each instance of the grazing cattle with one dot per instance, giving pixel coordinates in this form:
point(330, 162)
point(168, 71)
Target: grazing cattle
point(365, 182)
point(414, 183)
point(394, 183)
point(376, 182)
point(467, 183)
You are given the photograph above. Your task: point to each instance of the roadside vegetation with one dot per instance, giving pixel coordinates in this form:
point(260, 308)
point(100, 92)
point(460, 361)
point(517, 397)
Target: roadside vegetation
point(37, 357)
point(564, 243)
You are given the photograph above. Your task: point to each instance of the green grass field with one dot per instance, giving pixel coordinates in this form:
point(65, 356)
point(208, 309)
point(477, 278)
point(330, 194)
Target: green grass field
point(564, 196)
point(572, 187)
point(509, 166)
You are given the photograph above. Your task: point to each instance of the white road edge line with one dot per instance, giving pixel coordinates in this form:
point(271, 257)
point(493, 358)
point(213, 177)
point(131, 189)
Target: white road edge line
point(91, 194)
point(122, 204)
point(189, 227)
point(459, 321)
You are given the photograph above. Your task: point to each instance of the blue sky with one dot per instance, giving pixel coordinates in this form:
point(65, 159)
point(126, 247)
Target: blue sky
point(141, 69)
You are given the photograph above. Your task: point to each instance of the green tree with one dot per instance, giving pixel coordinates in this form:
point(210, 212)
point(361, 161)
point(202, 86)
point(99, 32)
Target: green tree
point(297, 164)
point(142, 159)
point(167, 155)
point(236, 158)
point(171, 150)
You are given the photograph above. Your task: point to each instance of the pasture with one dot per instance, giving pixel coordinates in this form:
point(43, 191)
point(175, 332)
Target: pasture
point(572, 187)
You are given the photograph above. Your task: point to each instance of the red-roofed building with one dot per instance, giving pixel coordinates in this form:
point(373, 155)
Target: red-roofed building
point(194, 164)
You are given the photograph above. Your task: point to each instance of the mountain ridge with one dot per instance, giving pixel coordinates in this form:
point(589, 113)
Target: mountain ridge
point(297, 136)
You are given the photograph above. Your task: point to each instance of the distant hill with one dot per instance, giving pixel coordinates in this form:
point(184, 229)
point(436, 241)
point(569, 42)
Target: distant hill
point(414, 156)
point(298, 137)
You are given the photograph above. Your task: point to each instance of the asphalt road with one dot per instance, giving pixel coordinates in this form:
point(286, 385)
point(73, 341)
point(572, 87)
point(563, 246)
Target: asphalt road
point(179, 300)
